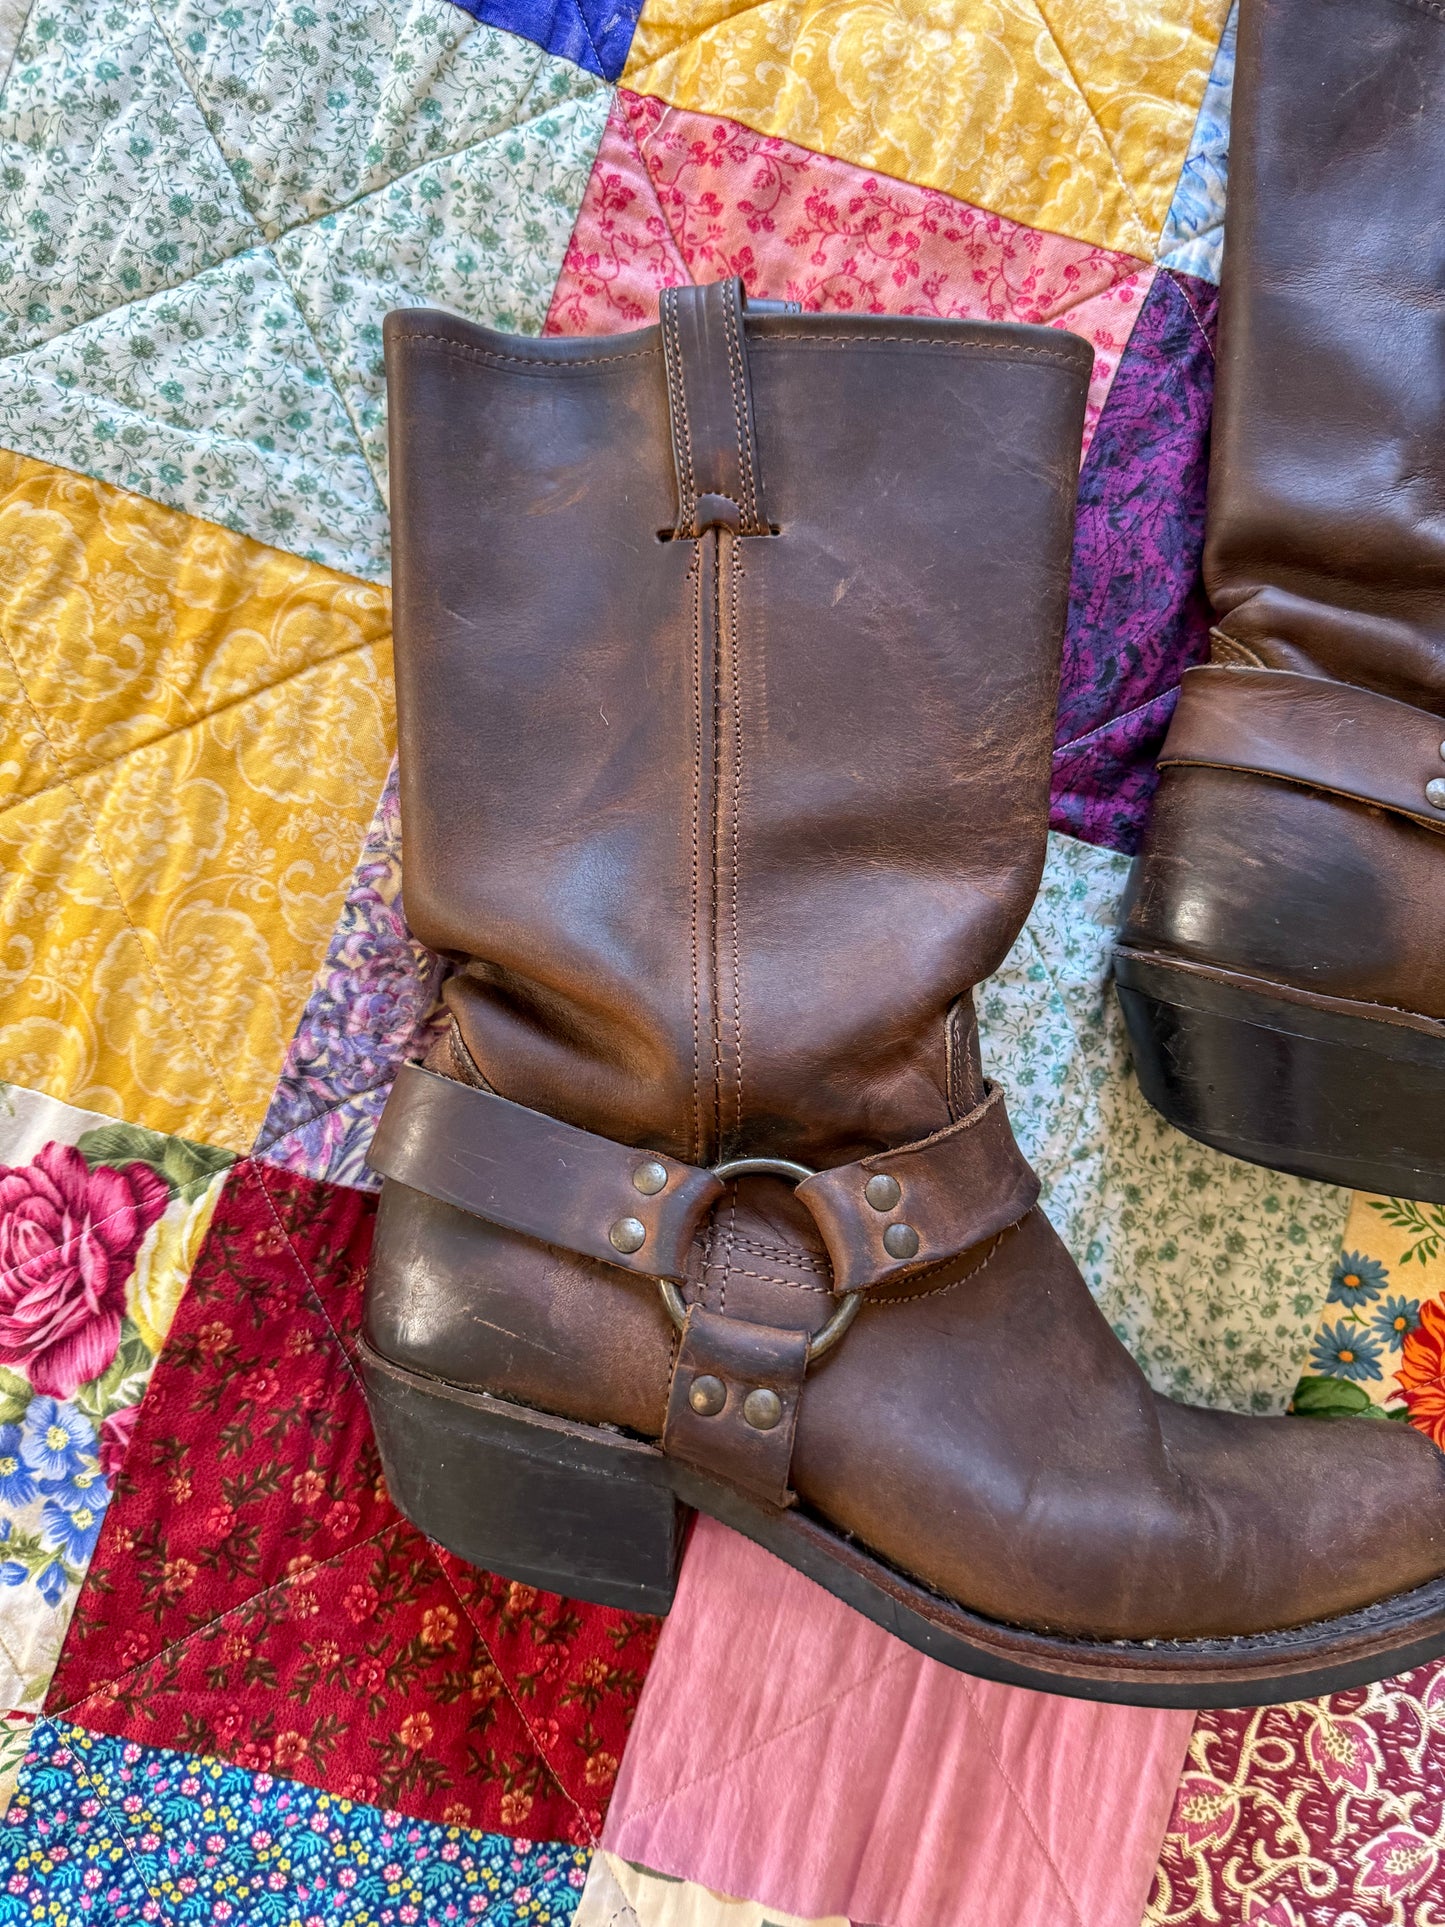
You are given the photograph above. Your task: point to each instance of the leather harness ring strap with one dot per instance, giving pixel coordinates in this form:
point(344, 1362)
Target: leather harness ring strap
point(1313, 731)
point(882, 1218)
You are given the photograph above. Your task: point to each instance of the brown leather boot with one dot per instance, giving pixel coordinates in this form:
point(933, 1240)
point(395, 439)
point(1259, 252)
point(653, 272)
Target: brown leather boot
point(727, 655)
point(1282, 960)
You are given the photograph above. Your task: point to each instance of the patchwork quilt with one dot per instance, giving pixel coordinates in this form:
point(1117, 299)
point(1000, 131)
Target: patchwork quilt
point(237, 1685)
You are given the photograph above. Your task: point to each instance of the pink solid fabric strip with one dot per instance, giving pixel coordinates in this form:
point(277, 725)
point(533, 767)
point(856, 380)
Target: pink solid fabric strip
point(789, 1750)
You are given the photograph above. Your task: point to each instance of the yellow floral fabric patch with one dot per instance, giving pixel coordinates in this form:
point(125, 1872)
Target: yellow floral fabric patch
point(174, 847)
point(1075, 118)
point(1379, 1350)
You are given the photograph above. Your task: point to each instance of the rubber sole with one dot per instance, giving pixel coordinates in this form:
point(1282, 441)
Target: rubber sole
point(1342, 1092)
point(598, 1515)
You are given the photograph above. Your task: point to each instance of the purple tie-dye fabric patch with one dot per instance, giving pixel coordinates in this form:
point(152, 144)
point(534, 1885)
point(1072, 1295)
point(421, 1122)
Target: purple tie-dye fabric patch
point(1137, 614)
point(373, 1005)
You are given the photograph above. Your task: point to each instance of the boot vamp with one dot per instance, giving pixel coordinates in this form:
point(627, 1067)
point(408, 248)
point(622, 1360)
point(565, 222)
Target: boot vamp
point(996, 1441)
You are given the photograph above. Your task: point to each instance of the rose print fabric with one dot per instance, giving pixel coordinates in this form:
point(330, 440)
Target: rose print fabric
point(99, 1226)
point(257, 1596)
point(105, 1832)
point(677, 196)
point(205, 208)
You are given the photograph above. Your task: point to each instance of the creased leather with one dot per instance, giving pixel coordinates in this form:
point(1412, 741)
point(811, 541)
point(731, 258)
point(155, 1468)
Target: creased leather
point(1311, 730)
point(744, 1358)
point(720, 832)
point(1325, 538)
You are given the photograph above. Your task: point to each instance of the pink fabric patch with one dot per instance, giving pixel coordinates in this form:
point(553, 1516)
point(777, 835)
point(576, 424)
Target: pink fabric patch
point(788, 1750)
point(677, 196)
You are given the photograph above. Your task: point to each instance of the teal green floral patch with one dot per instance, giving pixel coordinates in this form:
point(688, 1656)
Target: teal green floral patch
point(207, 209)
point(1213, 1272)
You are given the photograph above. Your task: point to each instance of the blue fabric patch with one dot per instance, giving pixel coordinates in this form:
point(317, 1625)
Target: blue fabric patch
point(1193, 237)
point(596, 34)
point(103, 1831)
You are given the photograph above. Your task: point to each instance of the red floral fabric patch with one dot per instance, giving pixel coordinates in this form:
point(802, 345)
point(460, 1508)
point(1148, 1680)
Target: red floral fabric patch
point(255, 1594)
point(676, 196)
point(1312, 1815)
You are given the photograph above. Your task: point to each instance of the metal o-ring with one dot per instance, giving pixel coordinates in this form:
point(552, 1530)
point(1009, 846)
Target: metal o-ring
point(823, 1340)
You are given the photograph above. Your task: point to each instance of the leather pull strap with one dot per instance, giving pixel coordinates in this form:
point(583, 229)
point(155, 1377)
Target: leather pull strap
point(733, 1407)
point(711, 406)
point(1309, 730)
point(899, 1212)
point(548, 1180)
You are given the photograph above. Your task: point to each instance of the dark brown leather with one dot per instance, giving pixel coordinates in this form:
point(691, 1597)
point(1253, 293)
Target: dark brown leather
point(575, 1190)
point(1325, 542)
point(710, 402)
point(720, 832)
point(706, 892)
point(1311, 730)
point(753, 1453)
point(537, 1175)
point(964, 1184)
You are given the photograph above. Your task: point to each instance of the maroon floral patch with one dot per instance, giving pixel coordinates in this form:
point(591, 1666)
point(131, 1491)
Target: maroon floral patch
point(256, 1595)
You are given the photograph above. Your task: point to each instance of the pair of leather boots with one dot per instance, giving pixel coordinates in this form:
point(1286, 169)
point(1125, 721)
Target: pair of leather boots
point(727, 663)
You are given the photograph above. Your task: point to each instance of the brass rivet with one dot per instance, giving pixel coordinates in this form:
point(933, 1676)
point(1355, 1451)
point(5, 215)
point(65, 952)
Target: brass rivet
point(1442, 752)
point(1435, 792)
point(882, 1192)
point(628, 1234)
point(707, 1395)
point(650, 1178)
point(762, 1409)
point(900, 1241)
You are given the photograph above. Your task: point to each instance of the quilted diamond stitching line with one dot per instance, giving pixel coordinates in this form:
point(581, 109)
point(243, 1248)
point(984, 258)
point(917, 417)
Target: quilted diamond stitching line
point(318, 1304)
point(70, 775)
point(214, 451)
point(98, 1794)
point(1146, 250)
point(102, 1688)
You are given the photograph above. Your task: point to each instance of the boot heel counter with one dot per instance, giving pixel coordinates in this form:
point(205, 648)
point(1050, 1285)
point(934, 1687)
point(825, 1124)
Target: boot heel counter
point(455, 1297)
point(1278, 881)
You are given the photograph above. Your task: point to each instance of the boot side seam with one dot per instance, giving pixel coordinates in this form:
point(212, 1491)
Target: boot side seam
point(736, 565)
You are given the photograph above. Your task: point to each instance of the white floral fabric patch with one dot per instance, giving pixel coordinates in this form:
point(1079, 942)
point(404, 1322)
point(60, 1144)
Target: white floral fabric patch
point(1213, 1272)
point(206, 210)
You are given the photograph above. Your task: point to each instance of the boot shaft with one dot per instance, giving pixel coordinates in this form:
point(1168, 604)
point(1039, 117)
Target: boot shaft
point(1326, 533)
point(727, 656)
